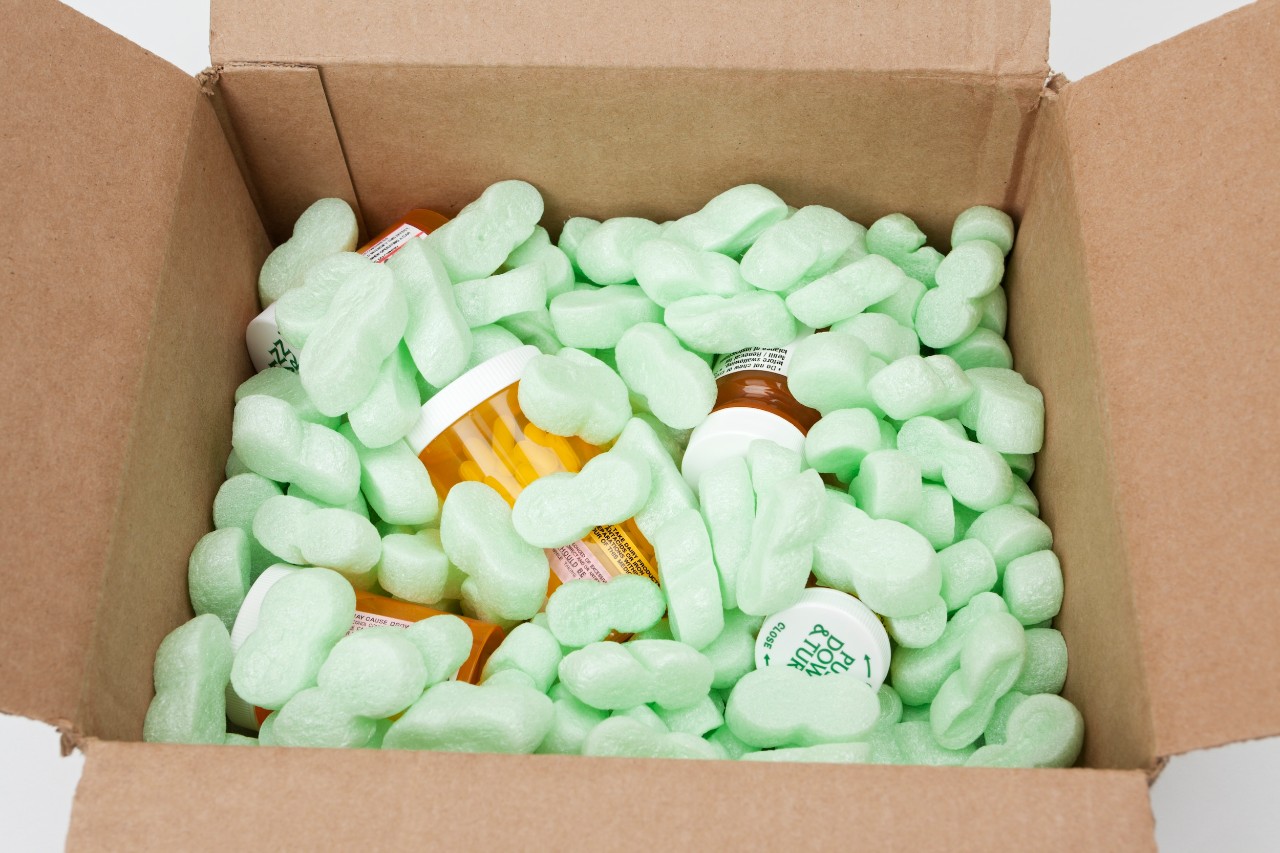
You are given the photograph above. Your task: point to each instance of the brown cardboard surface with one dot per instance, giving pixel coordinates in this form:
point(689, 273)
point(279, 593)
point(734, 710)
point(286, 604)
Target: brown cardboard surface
point(139, 796)
point(181, 429)
point(95, 134)
point(1176, 161)
point(660, 142)
point(280, 120)
point(1051, 335)
point(1007, 37)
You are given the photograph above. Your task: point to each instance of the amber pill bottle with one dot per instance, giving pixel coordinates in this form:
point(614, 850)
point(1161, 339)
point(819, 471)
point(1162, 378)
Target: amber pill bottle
point(752, 402)
point(473, 430)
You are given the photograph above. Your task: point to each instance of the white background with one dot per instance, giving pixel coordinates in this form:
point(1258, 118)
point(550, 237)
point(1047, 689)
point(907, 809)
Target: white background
point(1221, 799)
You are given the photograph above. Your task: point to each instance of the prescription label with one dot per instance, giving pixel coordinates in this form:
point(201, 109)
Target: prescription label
point(373, 620)
point(769, 359)
point(382, 250)
point(576, 562)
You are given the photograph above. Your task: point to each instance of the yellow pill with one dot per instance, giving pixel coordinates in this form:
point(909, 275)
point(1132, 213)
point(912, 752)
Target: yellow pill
point(471, 471)
point(568, 458)
point(543, 459)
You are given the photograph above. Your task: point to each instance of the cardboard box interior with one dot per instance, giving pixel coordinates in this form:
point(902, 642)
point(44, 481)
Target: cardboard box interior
point(1139, 304)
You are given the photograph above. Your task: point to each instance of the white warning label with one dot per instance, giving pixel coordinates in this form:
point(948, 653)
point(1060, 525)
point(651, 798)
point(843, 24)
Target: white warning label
point(769, 359)
point(382, 250)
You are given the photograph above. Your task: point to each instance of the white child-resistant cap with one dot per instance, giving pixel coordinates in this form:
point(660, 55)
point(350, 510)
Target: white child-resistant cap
point(826, 632)
point(728, 433)
point(266, 347)
point(239, 711)
point(468, 391)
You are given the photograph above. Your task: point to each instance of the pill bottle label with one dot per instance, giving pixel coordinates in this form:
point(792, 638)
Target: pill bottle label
point(769, 359)
point(382, 250)
point(574, 562)
point(373, 620)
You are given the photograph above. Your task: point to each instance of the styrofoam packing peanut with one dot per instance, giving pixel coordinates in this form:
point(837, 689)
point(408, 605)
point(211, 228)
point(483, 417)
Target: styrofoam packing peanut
point(676, 385)
point(506, 576)
point(840, 441)
point(395, 482)
point(1045, 667)
point(325, 228)
point(373, 673)
point(393, 404)
point(484, 233)
point(886, 338)
point(572, 233)
point(455, 716)
point(994, 311)
point(235, 505)
point(573, 393)
point(1005, 412)
point(921, 630)
point(997, 728)
point(982, 348)
point(890, 707)
point(831, 371)
point(976, 475)
point(302, 617)
point(823, 753)
point(972, 269)
point(670, 492)
point(730, 222)
point(274, 442)
point(888, 485)
point(917, 745)
point(668, 271)
point(690, 582)
point(581, 612)
point(235, 465)
point(899, 239)
point(625, 737)
point(967, 569)
point(912, 386)
point(413, 566)
point(537, 251)
point(328, 537)
point(1032, 587)
point(560, 508)
point(606, 254)
point(732, 653)
point(284, 384)
point(358, 504)
point(845, 292)
point(918, 674)
point(990, 662)
point(435, 332)
point(780, 706)
point(482, 301)
point(696, 720)
point(646, 714)
point(807, 243)
point(218, 574)
point(729, 742)
point(489, 341)
point(1042, 731)
point(891, 567)
point(192, 667)
point(613, 676)
point(572, 723)
point(311, 718)
point(788, 521)
point(901, 306)
point(298, 312)
point(983, 223)
point(597, 317)
point(936, 520)
point(771, 463)
point(444, 642)
point(363, 325)
point(728, 505)
point(1010, 532)
point(531, 649)
point(945, 317)
point(1023, 497)
point(722, 324)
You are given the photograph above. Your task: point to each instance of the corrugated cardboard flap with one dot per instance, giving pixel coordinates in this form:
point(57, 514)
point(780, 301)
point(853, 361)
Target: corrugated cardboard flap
point(194, 798)
point(1176, 165)
point(981, 37)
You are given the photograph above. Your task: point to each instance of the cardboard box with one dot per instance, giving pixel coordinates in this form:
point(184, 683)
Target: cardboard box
point(140, 203)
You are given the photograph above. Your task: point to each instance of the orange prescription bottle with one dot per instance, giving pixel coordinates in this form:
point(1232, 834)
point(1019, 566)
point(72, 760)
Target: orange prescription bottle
point(372, 611)
point(752, 402)
point(473, 429)
point(266, 346)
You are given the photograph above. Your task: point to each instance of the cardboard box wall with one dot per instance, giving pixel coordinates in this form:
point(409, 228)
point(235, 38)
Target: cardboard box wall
point(139, 204)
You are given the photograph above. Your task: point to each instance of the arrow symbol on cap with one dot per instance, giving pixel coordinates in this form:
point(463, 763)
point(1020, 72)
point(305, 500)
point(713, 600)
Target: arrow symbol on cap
point(766, 660)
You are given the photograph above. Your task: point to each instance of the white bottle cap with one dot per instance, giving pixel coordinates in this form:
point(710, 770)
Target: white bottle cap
point(468, 391)
point(239, 711)
point(266, 347)
point(728, 433)
point(826, 632)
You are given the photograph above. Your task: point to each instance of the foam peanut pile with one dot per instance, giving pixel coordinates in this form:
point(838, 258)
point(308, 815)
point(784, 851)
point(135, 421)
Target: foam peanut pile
point(910, 493)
